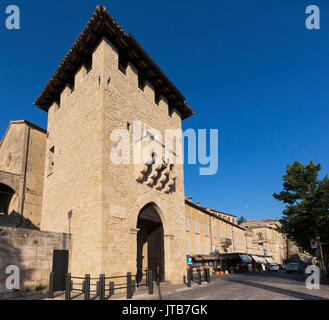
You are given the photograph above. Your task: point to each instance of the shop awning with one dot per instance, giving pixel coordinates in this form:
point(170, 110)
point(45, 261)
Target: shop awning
point(259, 259)
point(245, 258)
point(209, 258)
point(269, 260)
point(197, 258)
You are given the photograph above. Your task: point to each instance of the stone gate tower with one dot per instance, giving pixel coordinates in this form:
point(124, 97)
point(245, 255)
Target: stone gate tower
point(122, 217)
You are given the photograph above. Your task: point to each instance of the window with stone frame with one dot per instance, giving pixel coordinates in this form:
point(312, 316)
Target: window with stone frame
point(186, 224)
point(207, 229)
point(187, 248)
point(197, 227)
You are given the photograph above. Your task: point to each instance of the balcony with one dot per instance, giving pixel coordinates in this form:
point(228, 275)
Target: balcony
point(225, 242)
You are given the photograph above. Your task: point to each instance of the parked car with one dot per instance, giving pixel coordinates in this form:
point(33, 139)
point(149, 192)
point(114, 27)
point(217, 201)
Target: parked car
point(282, 266)
point(293, 267)
point(272, 267)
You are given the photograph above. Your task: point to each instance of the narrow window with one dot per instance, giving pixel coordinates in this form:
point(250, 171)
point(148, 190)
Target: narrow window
point(214, 232)
point(186, 224)
point(223, 234)
point(51, 161)
point(207, 229)
point(196, 226)
point(207, 249)
point(187, 249)
point(197, 249)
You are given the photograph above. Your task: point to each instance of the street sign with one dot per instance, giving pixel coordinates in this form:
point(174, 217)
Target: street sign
point(314, 244)
point(189, 260)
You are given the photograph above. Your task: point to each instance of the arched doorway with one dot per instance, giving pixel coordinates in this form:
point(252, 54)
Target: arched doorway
point(6, 198)
point(150, 243)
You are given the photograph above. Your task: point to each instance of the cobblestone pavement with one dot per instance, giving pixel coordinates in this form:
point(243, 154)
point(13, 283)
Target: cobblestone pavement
point(244, 286)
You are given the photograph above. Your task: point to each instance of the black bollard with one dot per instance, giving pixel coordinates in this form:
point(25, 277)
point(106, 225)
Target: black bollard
point(68, 287)
point(129, 287)
point(86, 289)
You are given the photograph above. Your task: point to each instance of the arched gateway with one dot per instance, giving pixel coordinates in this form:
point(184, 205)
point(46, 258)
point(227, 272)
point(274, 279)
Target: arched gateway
point(150, 242)
point(6, 199)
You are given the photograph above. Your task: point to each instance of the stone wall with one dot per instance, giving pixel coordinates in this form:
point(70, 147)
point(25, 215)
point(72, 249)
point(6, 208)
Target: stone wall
point(32, 252)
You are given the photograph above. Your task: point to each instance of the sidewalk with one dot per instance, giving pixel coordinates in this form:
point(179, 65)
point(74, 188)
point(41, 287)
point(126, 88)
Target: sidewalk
point(159, 292)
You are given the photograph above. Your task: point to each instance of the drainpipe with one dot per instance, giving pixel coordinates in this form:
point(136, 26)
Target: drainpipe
point(24, 181)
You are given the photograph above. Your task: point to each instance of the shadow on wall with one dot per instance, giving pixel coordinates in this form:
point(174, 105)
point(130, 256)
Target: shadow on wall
point(12, 255)
point(14, 219)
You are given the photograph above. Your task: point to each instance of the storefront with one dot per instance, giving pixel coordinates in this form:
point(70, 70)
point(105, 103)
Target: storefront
point(202, 261)
point(234, 262)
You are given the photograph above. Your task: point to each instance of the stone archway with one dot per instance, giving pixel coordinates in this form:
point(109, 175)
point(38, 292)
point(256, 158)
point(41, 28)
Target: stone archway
point(7, 199)
point(150, 242)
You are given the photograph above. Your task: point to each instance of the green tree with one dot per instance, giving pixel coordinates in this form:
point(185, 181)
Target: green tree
point(242, 219)
point(306, 215)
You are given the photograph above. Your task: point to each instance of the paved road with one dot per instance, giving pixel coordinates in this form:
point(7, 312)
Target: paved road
point(246, 286)
point(243, 286)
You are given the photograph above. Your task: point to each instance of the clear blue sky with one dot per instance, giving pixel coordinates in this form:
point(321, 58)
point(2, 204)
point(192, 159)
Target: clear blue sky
point(249, 68)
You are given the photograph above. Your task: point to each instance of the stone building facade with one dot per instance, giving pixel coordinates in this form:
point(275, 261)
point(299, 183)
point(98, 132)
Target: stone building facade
point(264, 239)
point(115, 216)
point(208, 232)
point(22, 158)
point(119, 216)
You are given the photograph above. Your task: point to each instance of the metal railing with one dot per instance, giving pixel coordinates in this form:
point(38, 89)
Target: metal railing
point(102, 285)
point(198, 277)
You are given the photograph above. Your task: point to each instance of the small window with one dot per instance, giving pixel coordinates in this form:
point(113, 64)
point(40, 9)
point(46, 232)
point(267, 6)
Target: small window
point(51, 160)
point(197, 227)
point(186, 224)
point(207, 249)
point(207, 229)
point(214, 232)
point(223, 234)
point(187, 248)
point(197, 249)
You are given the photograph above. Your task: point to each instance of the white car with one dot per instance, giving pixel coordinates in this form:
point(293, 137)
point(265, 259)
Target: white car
point(273, 267)
point(292, 267)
